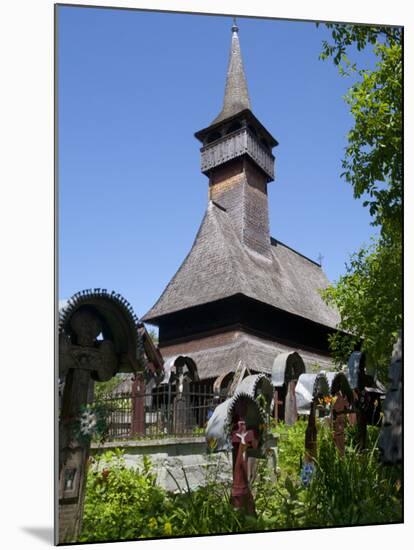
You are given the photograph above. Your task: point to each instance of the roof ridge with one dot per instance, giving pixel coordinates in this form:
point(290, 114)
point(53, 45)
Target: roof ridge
point(274, 241)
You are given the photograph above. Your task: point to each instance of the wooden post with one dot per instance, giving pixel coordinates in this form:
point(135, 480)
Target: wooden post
point(339, 411)
point(362, 430)
point(73, 457)
point(276, 405)
point(138, 405)
point(276, 402)
point(291, 412)
point(311, 436)
point(363, 401)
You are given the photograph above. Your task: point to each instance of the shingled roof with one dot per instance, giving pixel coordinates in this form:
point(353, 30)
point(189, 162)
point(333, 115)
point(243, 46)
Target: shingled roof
point(219, 265)
point(255, 353)
point(236, 95)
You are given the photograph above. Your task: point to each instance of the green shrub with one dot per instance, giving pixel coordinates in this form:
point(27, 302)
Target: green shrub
point(291, 445)
point(123, 503)
point(279, 505)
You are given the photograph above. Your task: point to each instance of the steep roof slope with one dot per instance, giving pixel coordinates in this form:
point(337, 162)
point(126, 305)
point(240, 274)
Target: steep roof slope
point(236, 95)
point(219, 265)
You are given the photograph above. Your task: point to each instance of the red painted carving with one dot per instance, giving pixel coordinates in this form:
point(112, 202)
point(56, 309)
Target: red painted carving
point(339, 412)
point(242, 439)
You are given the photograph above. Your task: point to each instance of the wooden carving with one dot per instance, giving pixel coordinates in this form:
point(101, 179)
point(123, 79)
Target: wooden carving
point(339, 411)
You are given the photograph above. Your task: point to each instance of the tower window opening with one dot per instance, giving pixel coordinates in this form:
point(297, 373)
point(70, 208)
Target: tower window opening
point(234, 127)
point(252, 129)
point(265, 144)
point(213, 137)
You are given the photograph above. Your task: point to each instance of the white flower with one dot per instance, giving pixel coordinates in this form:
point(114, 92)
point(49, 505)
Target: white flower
point(88, 423)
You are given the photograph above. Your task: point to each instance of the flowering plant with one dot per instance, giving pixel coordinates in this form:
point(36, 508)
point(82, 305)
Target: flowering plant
point(326, 403)
point(306, 473)
point(91, 422)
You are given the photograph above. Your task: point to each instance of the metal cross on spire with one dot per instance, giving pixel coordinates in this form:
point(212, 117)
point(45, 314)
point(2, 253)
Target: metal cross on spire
point(234, 28)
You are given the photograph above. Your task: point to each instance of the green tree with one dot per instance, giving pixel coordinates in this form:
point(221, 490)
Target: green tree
point(369, 295)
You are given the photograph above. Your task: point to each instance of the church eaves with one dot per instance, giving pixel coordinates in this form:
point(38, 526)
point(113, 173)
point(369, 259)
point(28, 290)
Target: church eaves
point(236, 95)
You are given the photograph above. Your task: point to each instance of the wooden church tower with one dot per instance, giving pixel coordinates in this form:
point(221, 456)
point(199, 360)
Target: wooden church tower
point(241, 296)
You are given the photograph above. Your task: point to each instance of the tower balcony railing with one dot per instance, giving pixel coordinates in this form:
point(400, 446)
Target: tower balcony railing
point(238, 143)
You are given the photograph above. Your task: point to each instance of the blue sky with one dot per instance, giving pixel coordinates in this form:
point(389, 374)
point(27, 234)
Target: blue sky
point(133, 87)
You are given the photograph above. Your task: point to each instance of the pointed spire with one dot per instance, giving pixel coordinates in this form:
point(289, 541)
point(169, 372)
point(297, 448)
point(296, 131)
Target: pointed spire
point(236, 95)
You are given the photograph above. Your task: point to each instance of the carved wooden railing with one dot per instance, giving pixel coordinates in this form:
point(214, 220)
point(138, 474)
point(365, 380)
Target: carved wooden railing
point(238, 143)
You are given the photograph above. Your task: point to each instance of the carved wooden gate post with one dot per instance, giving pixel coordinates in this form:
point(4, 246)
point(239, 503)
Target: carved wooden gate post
point(78, 362)
point(286, 370)
point(185, 373)
point(357, 375)
point(73, 456)
point(180, 408)
point(98, 337)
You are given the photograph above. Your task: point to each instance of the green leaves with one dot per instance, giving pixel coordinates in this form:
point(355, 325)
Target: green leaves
point(369, 295)
point(369, 300)
point(373, 157)
point(354, 489)
point(122, 503)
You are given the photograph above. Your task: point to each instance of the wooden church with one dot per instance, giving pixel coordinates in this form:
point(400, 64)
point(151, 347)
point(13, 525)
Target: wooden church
point(241, 297)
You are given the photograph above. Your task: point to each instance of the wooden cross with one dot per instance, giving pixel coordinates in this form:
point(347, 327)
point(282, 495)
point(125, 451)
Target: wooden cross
point(242, 439)
point(339, 412)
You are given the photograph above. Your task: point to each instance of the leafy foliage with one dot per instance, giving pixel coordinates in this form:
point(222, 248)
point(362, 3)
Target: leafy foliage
point(374, 152)
point(368, 298)
point(369, 295)
point(352, 490)
point(291, 446)
point(123, 503)
point(207, 510)
point(102, 389)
